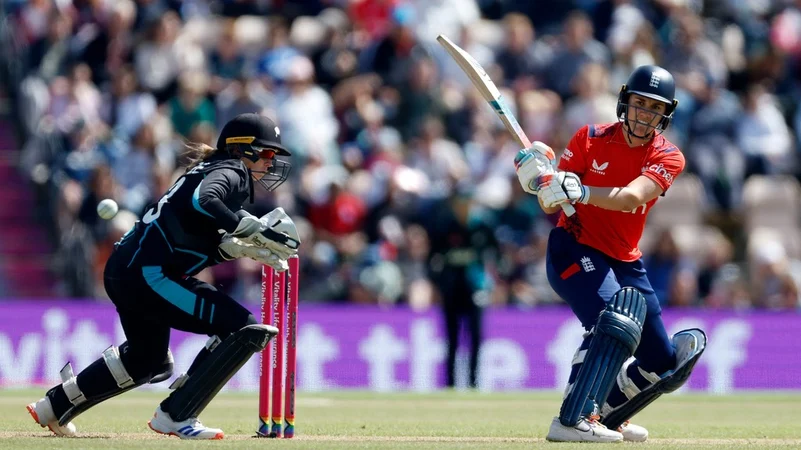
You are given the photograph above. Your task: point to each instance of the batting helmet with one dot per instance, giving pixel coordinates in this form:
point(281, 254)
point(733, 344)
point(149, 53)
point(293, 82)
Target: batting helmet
point(653, 82)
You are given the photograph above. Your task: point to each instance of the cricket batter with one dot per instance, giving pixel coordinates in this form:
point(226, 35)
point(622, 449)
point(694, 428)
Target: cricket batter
point(199, 222)
point(613, 175)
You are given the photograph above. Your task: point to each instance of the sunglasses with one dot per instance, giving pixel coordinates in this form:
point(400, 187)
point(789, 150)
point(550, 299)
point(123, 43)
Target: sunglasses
point(265, 153)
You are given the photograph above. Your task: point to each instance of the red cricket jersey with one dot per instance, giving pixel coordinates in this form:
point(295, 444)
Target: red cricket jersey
point(600, 156)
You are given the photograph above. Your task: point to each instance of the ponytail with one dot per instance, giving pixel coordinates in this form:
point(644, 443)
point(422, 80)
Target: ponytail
point(196, 153)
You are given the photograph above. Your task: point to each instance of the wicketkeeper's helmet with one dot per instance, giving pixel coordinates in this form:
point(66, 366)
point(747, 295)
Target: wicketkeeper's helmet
point(253, 136)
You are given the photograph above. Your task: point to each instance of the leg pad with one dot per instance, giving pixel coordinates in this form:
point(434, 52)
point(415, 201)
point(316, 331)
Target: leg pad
point(164, 371)
point(192, 397)
point(690, 344)
point(615, 338)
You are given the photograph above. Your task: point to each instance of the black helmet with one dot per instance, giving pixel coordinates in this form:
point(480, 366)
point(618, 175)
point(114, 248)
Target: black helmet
point(655, 83)
point(253, 136)
point(253, 130)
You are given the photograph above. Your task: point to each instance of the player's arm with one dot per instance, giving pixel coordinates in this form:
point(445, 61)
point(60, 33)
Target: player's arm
point(627, 198)
point(212, 192)
point(654, 181)
point(274, 230)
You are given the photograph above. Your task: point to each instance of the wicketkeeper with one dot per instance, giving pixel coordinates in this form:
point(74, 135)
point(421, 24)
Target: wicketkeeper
point(199, 222)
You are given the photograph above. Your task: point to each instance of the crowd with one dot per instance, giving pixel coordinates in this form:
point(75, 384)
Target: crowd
point(390, 141)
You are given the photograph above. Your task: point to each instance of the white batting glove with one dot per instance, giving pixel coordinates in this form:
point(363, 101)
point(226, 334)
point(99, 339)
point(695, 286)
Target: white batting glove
point(562, 187)
point(274, 231)
point(232, 248)
point(531, 163)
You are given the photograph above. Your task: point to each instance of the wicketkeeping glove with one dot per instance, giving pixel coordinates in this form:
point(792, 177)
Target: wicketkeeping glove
point(232, 248)
point(274, 231)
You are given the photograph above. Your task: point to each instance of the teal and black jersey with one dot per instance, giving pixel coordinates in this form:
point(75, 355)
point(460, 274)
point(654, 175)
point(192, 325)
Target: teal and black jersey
point(181, 231)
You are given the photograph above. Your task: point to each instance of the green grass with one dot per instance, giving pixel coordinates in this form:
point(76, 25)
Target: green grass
point(453, 420)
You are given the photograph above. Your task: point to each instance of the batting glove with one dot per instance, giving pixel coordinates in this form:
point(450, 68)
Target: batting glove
point(531, 163)
point(562, 187)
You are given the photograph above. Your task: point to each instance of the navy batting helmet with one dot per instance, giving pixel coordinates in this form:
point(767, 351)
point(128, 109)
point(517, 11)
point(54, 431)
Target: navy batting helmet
point(655, 83)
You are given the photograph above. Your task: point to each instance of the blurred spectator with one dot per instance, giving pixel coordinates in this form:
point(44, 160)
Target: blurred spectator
point(391, 56)
point(771, 282)
point(689, 51)
point(241, 96)
point(126, 105)
point(336, 60)
point(109, 41)
point(138, 169)
point(712, 151)
point(671, 273)
point(372, 16)
point(157, 59)
point(34, 20)
point(523, 59)
point(307, 121)
point(627, 55)
point(419, 98)
point(576, 47)
point(227, 61)
point(439, 158)
point(718, 274)
point(763, 134)
point(448, 17)
point(276, 59)
point(191, 107)
point(49, 55)
point(593, 102)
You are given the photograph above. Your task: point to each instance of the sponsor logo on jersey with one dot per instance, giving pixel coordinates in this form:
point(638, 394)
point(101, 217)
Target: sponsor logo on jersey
point(599, 168)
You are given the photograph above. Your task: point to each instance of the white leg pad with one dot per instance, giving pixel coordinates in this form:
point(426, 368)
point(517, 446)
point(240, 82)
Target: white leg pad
point(70, 385)
point(112, 358)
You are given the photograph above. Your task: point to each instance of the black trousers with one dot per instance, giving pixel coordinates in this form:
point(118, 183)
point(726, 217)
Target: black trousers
point(459, 308)
point(151, 304)
point(150, 307)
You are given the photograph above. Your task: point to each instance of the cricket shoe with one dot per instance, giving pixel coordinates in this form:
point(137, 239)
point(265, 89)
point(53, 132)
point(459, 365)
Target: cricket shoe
point(588, 429)
point(633, 433)
point(190, 428)
point(42, 413)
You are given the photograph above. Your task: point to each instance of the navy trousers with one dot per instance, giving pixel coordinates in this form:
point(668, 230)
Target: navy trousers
point(586, 279)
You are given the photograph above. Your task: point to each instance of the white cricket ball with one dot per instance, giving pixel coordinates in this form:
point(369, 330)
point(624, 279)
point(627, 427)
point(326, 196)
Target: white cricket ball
point(107, 209)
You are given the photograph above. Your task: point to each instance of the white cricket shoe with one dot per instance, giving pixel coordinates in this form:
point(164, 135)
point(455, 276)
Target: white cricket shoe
point(587, 430)
point(42, 413)
point(190, 428)
point(633, 433)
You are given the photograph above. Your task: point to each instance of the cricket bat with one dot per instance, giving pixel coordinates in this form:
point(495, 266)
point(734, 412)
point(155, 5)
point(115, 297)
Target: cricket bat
point(478, 76)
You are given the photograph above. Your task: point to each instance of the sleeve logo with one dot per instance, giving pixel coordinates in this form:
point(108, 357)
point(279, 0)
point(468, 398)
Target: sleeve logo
point(660, 170)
